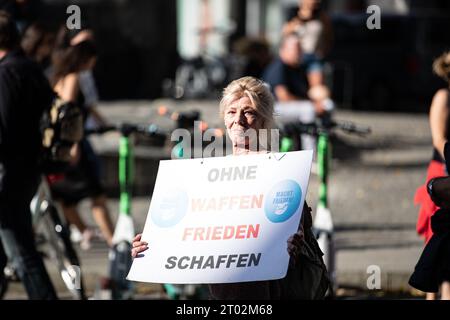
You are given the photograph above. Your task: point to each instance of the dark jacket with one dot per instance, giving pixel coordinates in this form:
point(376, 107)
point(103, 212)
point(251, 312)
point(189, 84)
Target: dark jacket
point(307, 279)
point(24, 94)
point(293, 78)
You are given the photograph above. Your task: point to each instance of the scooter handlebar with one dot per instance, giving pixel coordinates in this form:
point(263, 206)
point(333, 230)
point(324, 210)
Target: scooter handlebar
point(128, 128)
point(317, 128)
point(350, 127)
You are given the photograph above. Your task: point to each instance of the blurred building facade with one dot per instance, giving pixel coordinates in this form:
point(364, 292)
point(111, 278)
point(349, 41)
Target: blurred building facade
point(386, 69)
point(137, 42)
point(222, 19)
point(141, 42)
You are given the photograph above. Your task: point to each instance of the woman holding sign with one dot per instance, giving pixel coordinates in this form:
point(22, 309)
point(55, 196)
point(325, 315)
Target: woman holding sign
point(247, 110)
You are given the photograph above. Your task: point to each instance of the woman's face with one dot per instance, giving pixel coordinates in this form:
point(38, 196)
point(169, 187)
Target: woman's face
point(239, 117)
point(312, 4)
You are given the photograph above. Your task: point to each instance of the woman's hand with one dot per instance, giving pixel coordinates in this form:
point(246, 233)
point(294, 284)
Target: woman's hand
point(319, 92)
point(294, 244)
point(138, 245)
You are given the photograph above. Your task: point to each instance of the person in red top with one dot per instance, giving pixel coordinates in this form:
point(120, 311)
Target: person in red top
point(439, 124)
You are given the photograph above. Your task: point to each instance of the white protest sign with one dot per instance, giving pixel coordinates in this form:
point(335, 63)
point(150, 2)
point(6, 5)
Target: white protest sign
point(221, 220)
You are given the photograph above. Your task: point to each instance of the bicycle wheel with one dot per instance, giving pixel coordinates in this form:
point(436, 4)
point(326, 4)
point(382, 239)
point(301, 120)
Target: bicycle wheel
point(60, 247)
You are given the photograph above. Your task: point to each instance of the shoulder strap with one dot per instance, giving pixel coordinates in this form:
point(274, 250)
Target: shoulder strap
point(447, 155)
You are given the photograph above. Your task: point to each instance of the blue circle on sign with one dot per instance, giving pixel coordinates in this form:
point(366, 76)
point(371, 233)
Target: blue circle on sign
point(170, 209)
point(283, 201)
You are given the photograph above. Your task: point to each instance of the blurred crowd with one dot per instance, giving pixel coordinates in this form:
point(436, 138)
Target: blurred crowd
point(38, 64)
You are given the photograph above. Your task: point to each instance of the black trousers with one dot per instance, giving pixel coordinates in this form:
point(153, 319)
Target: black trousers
point(16, 232)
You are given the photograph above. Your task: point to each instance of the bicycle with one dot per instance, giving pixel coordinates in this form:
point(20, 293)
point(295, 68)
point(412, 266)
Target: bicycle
point(53, 240)
point(323, 226)
point(203, 76)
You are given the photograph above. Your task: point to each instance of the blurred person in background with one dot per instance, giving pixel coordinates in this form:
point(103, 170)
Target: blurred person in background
point(87, 83)
point(296, 98)
point(24, 12)
point(75, 53)
point(314, 29)
point(439, 124)
point(288, 77)
point(257, 55)
point(24, 95)
point(37, 43)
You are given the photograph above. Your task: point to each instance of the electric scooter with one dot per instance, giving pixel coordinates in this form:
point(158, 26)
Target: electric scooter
point(323, 226)
point(120, 259)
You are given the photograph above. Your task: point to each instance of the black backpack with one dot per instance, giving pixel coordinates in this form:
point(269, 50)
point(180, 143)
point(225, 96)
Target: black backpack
point(61, 128)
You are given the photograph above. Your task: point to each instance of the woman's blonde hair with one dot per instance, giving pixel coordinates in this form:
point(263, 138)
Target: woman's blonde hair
point(259, 94)
point(441, 66)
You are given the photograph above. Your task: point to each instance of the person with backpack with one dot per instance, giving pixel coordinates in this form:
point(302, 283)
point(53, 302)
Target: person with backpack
point(24, 96)
point(74, 54)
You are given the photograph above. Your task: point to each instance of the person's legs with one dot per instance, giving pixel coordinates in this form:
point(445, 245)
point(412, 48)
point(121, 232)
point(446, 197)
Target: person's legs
point(445, 290)
point(92, 167)
point(3, 262)
point(73, 217)
point(3, 259)
point(301, 111)
point(314, 69)
point(17, 237)
point(102, 218)
point(28, 264)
